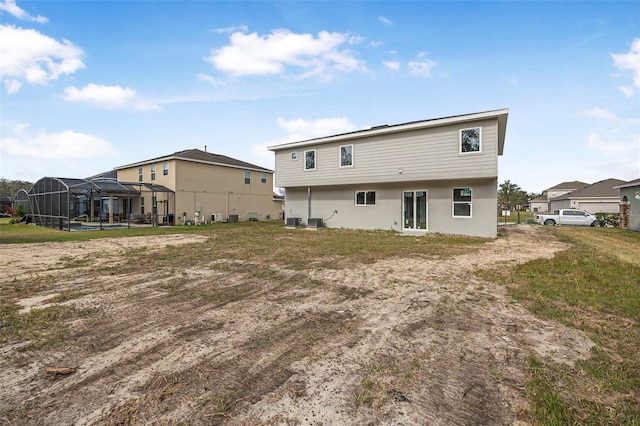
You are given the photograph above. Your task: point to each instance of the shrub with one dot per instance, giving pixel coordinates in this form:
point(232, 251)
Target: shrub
point(610, 220)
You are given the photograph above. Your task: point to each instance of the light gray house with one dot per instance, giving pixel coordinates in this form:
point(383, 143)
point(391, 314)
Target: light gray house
point(630, 204)
point(438, 175)
point(600, 197)
point(541, 204)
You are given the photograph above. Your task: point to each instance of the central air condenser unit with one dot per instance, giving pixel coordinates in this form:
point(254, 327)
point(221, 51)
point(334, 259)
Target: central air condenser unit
point(315, 222)
point(294, 221)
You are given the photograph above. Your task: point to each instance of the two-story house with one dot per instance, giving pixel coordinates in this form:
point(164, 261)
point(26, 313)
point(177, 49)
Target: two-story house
point(202, 185)
point(438, 175)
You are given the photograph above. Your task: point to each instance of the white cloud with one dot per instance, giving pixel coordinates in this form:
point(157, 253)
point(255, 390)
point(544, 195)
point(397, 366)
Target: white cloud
point(251, 54)
point(600, 113)
point(385, 21)
point(300, 129)
point(629, 92)
point(263, 156)
point(392, 65)
point(629, 61)
point(30, 56)
point(611, 147)
point(229, 30)
point(109, 97)
point(12, 86)
point(376, 43)
point(10, 7)
point(422, 68)
point(210, 79)
point(66, 145)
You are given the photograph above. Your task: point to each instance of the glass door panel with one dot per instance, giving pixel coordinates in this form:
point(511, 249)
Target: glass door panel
point(408, 210)
point(421, 210)
point(414, 210)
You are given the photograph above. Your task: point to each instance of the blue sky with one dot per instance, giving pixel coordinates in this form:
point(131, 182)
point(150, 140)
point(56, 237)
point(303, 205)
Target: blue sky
point(91, 85)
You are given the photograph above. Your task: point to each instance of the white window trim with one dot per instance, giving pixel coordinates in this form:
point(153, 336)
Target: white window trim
point(165, 168)
point(453, 203)
point(315, 160)
point(263, 178)
point(479, 151)
point(293, 155)
point(355, 198)
point(247, 177)
point(340, 157)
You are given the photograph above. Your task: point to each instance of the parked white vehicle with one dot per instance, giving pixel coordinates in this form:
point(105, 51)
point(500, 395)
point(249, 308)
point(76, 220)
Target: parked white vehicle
point(567, 217)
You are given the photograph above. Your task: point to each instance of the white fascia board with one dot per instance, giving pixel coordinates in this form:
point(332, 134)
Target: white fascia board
point(397, 128)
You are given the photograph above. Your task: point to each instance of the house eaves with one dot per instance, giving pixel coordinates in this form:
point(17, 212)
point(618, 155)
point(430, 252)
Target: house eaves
point(629, 184)
point(501, 115)
point(198, 156)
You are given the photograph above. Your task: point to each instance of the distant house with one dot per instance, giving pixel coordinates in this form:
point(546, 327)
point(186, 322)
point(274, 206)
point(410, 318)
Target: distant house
point(437, 175)
point(600, 197)
point(189, 186)
point(630, 204)
point(203, 185)
point(541, 204)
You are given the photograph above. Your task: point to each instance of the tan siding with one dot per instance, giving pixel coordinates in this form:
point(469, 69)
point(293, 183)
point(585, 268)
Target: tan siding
point(427, 154)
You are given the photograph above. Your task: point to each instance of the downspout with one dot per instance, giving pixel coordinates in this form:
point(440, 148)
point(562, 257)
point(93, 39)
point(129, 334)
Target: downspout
point(308, 203)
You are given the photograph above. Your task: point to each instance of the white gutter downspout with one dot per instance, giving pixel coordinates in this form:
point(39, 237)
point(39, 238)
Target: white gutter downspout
point(308, 203)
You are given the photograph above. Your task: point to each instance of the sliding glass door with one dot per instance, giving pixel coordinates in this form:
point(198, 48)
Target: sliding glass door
point(414, 210)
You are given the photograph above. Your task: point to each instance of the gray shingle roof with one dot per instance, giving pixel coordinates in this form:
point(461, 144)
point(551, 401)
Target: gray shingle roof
point(576, 184)
point(629, 184)
point(602, 189)
point(203, 157)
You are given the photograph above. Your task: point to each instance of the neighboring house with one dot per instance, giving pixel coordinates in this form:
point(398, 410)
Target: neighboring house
point(437, 175)
point(204, 186)
point(187, 186)
point(630, 204)
point(541, 204)
point(600, 197)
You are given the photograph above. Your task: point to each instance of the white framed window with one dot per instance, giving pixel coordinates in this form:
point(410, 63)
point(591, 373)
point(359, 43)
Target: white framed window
point(263, 178)
point(365, 198)
point(470, 140)
point(165, 169)
point(310, 159)
point(140, 174)
point(141, 205)
point(153, 172)
point(346, 156)
point(247, 177)
point(462, 202)
point(294, 155)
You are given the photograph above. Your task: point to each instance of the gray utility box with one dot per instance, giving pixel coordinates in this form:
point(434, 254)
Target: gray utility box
point(294, 221)
point(315, 222)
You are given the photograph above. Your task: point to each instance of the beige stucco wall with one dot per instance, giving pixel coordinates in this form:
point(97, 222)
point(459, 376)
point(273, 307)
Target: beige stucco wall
point(211, 189)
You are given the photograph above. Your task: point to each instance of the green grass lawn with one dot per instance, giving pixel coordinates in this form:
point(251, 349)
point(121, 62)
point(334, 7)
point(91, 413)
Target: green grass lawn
point(594, 287)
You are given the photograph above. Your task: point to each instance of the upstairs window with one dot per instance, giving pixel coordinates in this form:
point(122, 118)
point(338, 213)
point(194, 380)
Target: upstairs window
point(365, 198)
point(294, 155)
point(140, 174)
point(153, 172)
point(263, 178)
point(470, 140)
point(346, 156)
point(165, 169)
point(310, 159)
point(247, 177)
point(462, 202)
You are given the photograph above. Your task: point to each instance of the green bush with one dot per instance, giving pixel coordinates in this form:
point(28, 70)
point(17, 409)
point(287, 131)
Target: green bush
point(609, 220)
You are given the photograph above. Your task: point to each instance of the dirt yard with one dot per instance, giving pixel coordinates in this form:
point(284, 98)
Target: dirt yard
point(403, 341)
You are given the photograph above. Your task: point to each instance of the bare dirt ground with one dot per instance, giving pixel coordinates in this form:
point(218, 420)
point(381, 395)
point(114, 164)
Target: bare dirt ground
point(400, 342)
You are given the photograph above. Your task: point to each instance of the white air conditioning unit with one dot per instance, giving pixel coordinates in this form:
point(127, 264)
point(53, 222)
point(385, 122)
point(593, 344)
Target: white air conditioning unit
point(216, 217)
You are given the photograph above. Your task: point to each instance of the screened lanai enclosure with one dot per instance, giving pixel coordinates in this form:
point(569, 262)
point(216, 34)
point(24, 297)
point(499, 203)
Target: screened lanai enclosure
point(66, 203)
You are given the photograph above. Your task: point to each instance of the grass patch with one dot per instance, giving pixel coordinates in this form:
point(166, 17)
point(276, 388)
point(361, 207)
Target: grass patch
point(592, 287)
